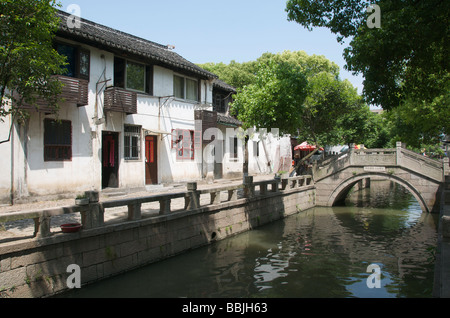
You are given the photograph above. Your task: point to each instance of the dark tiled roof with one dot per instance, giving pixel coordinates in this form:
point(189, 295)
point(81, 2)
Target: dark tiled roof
point(228, 120)
point(222, 85)
point(105, 37)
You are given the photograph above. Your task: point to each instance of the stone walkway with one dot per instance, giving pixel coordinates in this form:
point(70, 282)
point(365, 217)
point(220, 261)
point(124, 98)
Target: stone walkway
point(25, 228)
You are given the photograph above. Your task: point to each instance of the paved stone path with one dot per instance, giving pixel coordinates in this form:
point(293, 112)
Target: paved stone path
point(25, 228)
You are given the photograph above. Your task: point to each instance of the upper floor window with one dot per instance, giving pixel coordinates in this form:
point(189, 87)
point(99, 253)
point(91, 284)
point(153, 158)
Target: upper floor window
point(132, 75)
point(77, 58)
point(219, 103)
point(185, 88)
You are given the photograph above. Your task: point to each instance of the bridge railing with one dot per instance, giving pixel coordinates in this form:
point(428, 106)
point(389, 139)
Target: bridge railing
point(399, 156)
point(432, 168)
point(93, 214)
point(373, 157)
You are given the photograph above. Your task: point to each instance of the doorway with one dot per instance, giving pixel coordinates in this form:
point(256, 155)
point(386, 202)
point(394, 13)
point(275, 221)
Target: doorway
point(110, 160)
point(151, 160)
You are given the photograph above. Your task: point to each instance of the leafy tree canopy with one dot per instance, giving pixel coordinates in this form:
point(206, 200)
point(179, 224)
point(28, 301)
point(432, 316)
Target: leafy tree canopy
point(274, 99)
point(240, 75)
point(408, 57)
point(27, 57)
point(299, 94)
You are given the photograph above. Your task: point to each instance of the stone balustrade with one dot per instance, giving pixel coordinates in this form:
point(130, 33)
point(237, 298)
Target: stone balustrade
point(92, 215)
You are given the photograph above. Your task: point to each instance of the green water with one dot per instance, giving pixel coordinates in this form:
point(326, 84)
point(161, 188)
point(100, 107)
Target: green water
point(322, 252)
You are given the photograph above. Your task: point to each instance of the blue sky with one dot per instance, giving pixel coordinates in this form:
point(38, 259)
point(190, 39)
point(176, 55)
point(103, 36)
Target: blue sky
point(215, 31)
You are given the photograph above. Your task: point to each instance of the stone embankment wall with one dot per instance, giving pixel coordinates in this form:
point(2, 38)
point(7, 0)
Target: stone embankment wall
point(39, 267)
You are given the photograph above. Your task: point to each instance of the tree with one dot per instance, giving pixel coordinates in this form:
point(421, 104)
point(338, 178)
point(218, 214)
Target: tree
point(406, 60)
point(328, 99)
point(362, 126)
point(274, 100)
point(235, 74)
point(310, 65)
point(27, 57)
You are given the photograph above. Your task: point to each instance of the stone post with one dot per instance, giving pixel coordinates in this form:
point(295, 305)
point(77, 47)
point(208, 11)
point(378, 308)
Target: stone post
point(399, 146)
point(351, 151)
point(134, 211)
point(284, 183)
point(42, 227)
point(249, 188)
point(192, 199)
point(275, 186)
point(93, 196)
point(92, 217)
point(215, 198)
point(164, 206)
point(445, 166)
point(263, 188)
point(232, 195)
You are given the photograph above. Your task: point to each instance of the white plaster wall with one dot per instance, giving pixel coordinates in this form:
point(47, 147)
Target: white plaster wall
point(5, 161)
point(34, 176)
point(83, 172)
point(159, 115)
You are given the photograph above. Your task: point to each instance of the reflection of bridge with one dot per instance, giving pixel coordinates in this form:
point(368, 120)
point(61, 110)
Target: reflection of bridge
point(422, 176)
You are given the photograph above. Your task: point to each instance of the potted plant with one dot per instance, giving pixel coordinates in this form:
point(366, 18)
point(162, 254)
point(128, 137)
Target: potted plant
point(82, 199)
point(282, 174)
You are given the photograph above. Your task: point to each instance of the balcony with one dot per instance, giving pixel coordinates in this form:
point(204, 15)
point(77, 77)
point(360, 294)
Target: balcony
point(120, 100)
point(74, 90)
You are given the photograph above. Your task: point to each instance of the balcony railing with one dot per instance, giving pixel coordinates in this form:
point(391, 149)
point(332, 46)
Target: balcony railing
point(74, 90)
point(120, 100)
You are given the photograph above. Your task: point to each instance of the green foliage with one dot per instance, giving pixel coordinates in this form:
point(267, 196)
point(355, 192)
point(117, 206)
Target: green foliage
point(27, 58)
point(299, 94)
point(419, 124)
point(309, 65)
point(362, 126)
point(235, 74)
point(328, 100)
point(405, 63)
point(400, 58)
point(275, 98)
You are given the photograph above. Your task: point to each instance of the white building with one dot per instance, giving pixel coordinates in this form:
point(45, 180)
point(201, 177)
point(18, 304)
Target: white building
point(128, 120)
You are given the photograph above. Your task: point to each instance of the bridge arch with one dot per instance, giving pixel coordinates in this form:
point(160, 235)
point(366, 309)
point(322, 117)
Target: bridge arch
point(343, 188)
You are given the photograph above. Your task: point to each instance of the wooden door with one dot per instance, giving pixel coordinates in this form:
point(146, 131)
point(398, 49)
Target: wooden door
point(110, 160)
point(151, 160)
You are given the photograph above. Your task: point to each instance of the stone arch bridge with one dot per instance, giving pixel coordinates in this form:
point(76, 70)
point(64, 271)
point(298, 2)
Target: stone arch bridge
point(422, 176)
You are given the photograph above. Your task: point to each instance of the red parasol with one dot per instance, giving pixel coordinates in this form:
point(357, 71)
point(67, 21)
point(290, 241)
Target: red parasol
point(306, 147)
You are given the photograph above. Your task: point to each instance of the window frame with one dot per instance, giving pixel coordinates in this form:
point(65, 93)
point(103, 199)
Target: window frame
point(78, 53)
point(57, 148)
point(219, 103)
point(234, 148)
point(122, 72)
point(128, 136)
point(185, 80)
point(126, 76)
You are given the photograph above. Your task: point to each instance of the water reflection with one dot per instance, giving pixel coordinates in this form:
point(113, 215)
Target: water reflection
point(322, 252)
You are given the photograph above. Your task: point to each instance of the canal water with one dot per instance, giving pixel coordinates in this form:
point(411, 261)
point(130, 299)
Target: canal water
point(320, 253)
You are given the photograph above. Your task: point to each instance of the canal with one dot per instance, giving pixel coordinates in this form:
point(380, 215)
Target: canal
point(320, 253)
